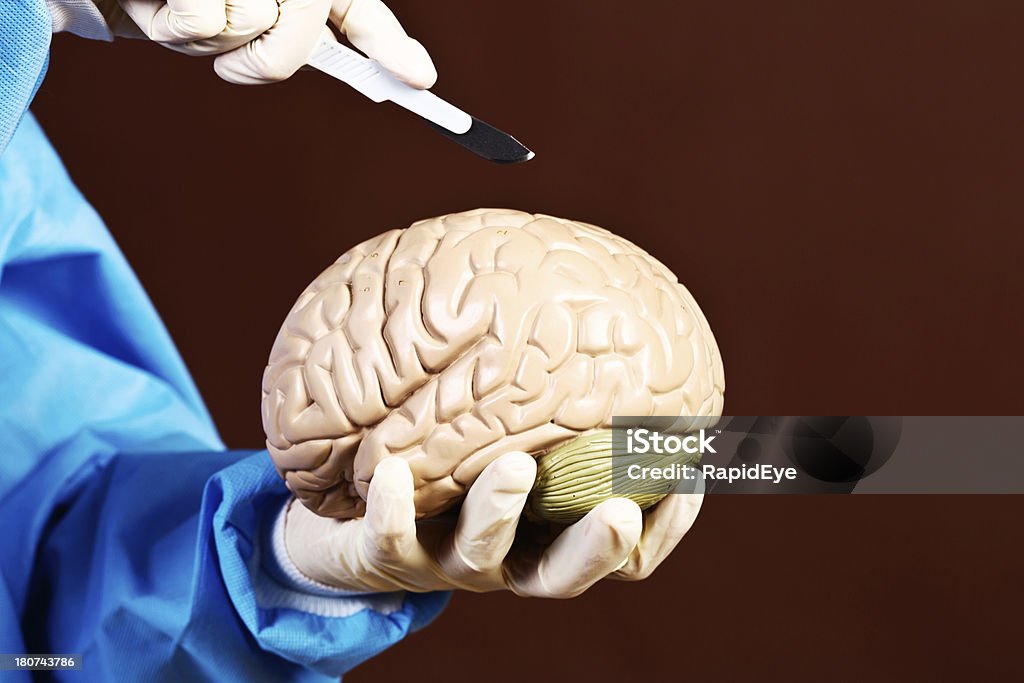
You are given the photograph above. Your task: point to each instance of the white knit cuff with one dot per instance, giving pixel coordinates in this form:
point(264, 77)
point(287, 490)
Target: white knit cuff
point(80, 17)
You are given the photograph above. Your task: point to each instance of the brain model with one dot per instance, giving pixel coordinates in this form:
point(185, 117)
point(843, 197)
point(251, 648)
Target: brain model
point(464, 337)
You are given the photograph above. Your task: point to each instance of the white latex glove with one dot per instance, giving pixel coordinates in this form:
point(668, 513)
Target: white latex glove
point(389, 550)
point(261, 41)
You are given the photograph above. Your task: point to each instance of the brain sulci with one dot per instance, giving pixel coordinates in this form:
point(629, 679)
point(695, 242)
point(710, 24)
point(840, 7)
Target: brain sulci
point(464, 337)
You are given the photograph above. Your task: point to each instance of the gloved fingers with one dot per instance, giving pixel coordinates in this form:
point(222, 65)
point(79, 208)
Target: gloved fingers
point(282, 50)
point(177, 21)
point(374, 29)
point(389, 529)
point(380, 552)
point(474, 555)
point(665, 526)
point(246, 21)
point(583, 554)
point(321, 547)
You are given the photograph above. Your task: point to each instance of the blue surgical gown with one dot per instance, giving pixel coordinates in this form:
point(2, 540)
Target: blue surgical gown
point(129, 534)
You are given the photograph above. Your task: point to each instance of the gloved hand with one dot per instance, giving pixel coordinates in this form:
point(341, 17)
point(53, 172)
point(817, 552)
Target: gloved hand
point(389, 550)
point(260, 41)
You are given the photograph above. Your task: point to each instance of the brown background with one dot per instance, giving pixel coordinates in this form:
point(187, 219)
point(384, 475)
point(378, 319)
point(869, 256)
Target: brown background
point(837, 183)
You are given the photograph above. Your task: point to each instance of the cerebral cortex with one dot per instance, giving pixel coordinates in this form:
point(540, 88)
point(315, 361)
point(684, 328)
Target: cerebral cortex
point(467, 336)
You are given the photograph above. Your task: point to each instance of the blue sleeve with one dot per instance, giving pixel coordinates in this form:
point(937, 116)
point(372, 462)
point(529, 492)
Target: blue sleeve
point(131, 536)
point(158, 582)
point(24, 53)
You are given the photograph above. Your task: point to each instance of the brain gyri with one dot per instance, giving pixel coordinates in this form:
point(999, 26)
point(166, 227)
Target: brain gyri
point(464, 337)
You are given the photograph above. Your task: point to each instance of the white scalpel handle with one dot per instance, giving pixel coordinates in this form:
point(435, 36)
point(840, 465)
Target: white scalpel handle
point(377, 83)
